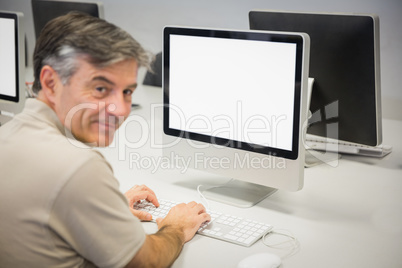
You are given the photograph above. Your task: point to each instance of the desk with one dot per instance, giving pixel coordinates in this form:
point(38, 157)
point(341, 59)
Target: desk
point(349, 215)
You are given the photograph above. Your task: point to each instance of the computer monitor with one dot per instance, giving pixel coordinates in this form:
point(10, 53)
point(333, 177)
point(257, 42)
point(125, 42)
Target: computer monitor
point(345, 65)
point(234, 105)
point(12, 60)
point(45, 10)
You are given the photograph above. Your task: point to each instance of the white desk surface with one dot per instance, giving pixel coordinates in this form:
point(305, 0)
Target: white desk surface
point(347, 215)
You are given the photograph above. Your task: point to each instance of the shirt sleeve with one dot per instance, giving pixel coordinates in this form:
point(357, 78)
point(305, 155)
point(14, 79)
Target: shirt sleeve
point(92, 216)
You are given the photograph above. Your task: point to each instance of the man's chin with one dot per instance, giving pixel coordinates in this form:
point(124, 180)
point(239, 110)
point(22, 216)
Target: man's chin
point(104, 141)
point(101, 141)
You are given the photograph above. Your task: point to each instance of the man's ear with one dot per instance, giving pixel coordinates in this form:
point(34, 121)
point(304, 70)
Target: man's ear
point(49, 80)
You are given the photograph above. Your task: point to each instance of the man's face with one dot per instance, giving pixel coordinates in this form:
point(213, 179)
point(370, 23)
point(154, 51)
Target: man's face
point(95, 102)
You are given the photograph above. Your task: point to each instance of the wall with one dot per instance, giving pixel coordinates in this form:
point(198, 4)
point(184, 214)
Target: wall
point(145, 19)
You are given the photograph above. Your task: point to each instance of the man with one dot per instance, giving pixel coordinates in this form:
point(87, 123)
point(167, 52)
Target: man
point(60, 204)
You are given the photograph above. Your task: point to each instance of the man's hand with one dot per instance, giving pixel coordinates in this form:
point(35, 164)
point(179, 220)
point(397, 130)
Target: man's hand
point(138, 193)
point(185, 218)
point(177, 228)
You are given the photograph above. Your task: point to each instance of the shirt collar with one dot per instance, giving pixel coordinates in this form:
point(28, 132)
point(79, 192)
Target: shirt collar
point(43, 112)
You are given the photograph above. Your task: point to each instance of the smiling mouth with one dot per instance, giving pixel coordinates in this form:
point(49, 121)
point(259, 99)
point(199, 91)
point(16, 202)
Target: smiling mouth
point(107, 125)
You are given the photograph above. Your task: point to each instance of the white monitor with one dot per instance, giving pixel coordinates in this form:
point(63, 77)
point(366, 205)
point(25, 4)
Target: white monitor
point(235, 105)
point(12, 58)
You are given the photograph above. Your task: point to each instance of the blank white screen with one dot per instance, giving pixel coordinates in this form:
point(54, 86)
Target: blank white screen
point(7, 58)
point(242, 90)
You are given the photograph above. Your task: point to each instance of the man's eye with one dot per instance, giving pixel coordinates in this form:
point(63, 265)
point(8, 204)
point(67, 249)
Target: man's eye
point(100, 92)
point(101, 89)
point(128, 92)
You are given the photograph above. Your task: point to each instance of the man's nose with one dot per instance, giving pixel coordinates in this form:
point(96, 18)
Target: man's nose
point(118, 106)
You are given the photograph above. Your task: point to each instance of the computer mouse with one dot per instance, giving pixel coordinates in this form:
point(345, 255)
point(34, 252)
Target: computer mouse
point(260, 260)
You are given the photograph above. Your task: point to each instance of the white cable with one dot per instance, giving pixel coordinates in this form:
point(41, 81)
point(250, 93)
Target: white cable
point(295, 244)
point(203, 198)
point(282, 245)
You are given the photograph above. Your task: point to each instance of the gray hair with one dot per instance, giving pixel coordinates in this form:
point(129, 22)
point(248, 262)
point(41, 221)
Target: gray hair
point(76, 35)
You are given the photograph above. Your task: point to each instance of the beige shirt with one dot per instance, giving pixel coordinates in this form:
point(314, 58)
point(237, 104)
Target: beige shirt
point(60, 205)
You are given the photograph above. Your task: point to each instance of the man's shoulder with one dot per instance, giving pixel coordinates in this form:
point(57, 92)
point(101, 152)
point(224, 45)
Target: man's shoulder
point(73, 151)
point(38, 134)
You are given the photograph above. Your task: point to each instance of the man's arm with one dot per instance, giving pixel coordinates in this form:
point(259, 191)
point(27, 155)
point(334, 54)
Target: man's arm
point(178, 227)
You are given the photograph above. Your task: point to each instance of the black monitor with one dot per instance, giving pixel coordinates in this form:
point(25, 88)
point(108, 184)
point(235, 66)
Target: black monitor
point(234, 105)
point(153, 77)
point(46, 10)
point(12, 58)
point(345, 65)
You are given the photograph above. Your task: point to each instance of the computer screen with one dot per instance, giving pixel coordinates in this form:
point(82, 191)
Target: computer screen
point(234, 103)
point(12, 90)
point(345, 65)
point(46, 10)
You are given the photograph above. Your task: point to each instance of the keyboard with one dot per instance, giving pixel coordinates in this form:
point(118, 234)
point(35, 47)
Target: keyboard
point(229, 228)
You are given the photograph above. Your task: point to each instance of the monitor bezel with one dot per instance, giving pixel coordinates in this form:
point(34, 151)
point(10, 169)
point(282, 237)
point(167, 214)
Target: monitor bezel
point(242, 35)
point(15, 18)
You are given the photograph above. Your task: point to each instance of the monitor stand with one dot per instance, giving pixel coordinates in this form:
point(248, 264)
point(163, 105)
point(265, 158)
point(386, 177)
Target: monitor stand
point(5, 117)
point(238, 193)
point(326, 150)
point(314, 158)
